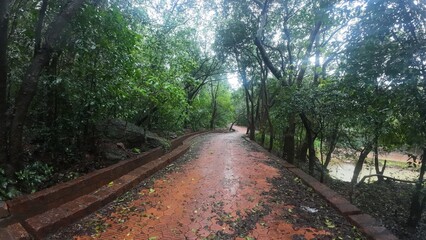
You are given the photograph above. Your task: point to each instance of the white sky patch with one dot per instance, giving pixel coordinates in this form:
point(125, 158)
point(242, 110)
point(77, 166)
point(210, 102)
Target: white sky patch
point(312, 60)
point(233, 80)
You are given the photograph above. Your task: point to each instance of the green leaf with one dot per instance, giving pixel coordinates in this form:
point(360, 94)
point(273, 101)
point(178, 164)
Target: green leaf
point(329, 223)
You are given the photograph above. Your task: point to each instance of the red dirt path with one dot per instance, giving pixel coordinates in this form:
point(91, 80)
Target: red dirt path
point(221, 186)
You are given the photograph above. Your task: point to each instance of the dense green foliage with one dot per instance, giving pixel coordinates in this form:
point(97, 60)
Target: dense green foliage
point(112, 60)
point(324, 75)
point(316, 76)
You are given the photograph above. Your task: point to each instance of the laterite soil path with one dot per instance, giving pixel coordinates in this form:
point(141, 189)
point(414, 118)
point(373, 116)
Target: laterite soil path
point(222, 191)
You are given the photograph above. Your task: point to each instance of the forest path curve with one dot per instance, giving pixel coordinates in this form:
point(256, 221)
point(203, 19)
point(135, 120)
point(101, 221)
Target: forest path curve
point(222, 189)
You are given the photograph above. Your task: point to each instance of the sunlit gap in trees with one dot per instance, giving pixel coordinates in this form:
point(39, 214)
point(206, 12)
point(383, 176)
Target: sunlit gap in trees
point(233, 80)
point(198, 15)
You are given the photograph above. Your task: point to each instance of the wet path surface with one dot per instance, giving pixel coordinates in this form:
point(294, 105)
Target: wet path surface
point(222, 189)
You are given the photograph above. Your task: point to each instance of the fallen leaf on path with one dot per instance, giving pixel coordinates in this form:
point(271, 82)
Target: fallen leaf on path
point(329, 224)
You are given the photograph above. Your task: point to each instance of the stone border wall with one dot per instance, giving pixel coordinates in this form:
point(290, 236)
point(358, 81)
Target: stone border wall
point(44, 211)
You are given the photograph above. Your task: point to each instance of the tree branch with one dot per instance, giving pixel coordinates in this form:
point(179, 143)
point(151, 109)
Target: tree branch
point(258, 43)
point(308, 52)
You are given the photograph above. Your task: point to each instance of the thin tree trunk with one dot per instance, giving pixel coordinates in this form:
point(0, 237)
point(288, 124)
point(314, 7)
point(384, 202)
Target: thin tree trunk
point(260, 117)
point(376, 159)
point(331, 145)
point(4, 26)
point(418, 199)
point(360, 163)
point(312, 154)
point(39, 26)
point(52, 93)
point(247, 111)
point(288, 143)
point(143, 118)
point(214, 93)
point(265, 103)
point(317, 61)
point(310, 137)
point(252, 122)
point(303, 150)
point(305, 59)
point(253, 118)
point(249, 104)
point(270, 125)
point(271, 135)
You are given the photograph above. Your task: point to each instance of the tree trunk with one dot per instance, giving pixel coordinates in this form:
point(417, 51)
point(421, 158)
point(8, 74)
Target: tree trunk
point(418, 200)
point(252, 122)
point(360, 163)
point(247, 112)
point(303, 151)
point(4, 26)
point(144, 118)
point(310, 138)
point(52, 107)
point(232, 125)
point(22, 103)
point(271, 136)
point(376, 160)
point(312, 154)
point(288, 143)
point(260, 117)
point(249, 104)
point(317, 61)
point(214, 93)
point(305, 59)
point(213, 116)
point(39, 26)
point(331, 145)
point(28, 87)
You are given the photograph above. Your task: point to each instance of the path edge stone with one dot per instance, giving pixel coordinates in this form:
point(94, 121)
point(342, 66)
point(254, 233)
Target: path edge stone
point(40, 225)
point(4, 210)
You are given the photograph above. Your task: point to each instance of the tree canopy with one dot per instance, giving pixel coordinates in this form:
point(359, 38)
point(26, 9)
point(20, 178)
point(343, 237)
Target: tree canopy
point(316, 76)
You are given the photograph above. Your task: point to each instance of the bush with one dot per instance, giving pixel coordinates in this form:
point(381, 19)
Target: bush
point(7, 189)
point(34, 176)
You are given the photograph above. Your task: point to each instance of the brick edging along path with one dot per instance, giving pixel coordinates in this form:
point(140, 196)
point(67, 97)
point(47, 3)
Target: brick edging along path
point(366, 223)
point(40, 213)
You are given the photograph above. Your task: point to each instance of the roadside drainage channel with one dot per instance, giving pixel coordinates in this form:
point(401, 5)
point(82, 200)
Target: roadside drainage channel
point(37, 224)
point(364, 222)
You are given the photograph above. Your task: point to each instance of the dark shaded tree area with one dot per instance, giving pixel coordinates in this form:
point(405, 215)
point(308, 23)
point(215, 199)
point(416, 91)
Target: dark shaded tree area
point(68, 66)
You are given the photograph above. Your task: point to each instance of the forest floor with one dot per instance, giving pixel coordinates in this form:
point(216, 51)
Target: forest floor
point(388, 202)
point(224, 188)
